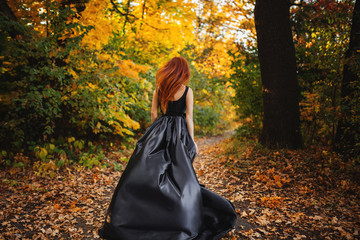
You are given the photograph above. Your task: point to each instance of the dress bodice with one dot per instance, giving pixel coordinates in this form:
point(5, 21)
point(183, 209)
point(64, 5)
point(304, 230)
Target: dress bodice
point(178, 107)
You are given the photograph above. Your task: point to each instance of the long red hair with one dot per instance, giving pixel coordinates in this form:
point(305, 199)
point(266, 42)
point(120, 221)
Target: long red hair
point(169, 79)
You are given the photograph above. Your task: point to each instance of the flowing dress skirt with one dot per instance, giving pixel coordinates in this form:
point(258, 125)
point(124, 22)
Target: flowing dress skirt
point(158, 196)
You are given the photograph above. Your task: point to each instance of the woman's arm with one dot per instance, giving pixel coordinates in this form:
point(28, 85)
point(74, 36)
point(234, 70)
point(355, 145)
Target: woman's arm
point(154, 107)
point(189, 115)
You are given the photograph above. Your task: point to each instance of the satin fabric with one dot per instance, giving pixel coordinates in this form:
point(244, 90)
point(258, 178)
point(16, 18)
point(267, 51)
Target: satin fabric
point(158, 196)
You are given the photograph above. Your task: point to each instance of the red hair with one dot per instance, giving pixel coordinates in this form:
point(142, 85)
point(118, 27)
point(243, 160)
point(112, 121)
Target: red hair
point(170, 78)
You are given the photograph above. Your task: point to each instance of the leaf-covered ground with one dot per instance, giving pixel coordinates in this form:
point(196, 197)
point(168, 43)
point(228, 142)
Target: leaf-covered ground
point(305, 194)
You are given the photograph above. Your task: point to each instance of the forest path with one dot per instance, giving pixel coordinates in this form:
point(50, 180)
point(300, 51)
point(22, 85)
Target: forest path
point(215, 178)
point(277, 195)
point(70, 205)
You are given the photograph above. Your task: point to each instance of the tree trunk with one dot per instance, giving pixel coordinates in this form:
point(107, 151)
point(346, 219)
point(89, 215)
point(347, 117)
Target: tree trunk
point(348, 131)
point(281, 124)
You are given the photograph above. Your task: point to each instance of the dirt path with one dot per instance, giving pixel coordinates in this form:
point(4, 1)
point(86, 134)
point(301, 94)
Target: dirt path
point(216, 179)
point(211, 140)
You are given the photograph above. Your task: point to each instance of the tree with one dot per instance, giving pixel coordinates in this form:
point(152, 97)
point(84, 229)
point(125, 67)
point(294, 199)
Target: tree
point(348, 131)
point(281, 124)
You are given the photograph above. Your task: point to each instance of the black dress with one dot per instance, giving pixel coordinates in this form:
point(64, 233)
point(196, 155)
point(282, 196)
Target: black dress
point(158, 196)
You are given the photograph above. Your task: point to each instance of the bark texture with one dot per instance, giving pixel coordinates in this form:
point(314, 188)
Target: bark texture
point(281, 124)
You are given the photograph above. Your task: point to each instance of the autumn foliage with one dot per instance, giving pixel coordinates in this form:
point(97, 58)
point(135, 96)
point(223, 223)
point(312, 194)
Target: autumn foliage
point(86, 69)
point(77, 79)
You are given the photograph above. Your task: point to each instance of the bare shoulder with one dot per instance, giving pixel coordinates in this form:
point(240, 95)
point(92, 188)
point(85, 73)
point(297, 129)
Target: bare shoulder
point(190, 92)
point(189, 97)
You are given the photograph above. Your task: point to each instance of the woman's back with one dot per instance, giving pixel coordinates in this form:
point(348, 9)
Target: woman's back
point(178, 105)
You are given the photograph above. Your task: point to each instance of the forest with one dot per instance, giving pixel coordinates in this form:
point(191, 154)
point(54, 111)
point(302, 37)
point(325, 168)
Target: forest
point(276, 109)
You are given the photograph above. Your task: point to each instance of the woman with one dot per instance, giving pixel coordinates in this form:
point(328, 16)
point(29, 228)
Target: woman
point(158, 197)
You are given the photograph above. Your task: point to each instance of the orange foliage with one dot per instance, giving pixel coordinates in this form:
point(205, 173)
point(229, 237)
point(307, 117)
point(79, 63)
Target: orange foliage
point(310, 107)
point(272, 202)
point(271, 178)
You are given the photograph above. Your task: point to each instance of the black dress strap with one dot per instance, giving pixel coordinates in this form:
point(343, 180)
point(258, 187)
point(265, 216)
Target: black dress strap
point(186, 90)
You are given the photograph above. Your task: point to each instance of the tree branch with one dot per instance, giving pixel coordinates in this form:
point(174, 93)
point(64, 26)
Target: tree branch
point(122, 13)
point(126, 15)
